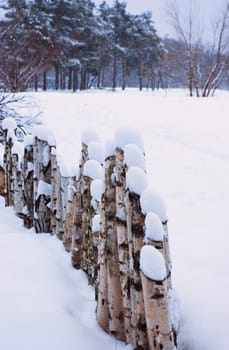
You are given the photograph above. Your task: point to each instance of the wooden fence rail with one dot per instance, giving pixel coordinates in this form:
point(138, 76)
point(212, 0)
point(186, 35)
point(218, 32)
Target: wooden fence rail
point(109, 221)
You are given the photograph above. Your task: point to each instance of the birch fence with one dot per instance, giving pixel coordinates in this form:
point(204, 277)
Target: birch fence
point(114, 228)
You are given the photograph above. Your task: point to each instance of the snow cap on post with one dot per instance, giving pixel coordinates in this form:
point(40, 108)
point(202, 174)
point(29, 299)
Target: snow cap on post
point(136, 180)
point(96, 151)
point(89, 135)
point(44, 133)
point(94, 170)
point(9, 123)
point(152, 202)
point(153, 227)
point(152, 263)
point(127, 135)
point(97, 189)
point(134, 156)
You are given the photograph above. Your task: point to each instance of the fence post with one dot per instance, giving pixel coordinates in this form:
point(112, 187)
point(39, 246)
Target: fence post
point(122, 238)
point(115, 304)
point(70, 217)
point(9, 135)
point(102, 313)
point(135, 226)
point(155, 289)
point(28, 172)
point(17, 178)
point(42, 186)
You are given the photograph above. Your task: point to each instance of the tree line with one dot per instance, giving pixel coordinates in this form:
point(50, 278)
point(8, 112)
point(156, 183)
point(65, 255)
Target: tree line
point(72, 44)
point(81, 43)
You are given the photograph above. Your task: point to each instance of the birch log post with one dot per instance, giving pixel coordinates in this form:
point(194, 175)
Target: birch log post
point(2, 181)
point(122, 239)
point(9, 136)
point(155, 289)
point(18, 197)
point(70, 219)
point(42, 186)
point(61, 203)
point(76, 247)
point(115, 305)
point(87, 237)
point(28, 172)
point(102, 313)
point(135, 226)
point(55, 189)
point(77, 236)
point(151, 202)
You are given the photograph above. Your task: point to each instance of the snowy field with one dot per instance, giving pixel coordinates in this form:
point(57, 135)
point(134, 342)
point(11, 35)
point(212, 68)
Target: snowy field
point(187, 156)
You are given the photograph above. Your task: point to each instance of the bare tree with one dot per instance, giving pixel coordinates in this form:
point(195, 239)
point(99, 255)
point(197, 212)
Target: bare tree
point(220, 51)
point(204, 68)
point(187, 28)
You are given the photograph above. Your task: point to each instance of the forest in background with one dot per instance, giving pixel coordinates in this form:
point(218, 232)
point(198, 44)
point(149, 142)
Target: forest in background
point(75, 45)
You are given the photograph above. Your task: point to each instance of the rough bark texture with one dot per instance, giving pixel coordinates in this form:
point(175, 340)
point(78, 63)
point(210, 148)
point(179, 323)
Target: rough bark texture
point(62, 205)
point(18, 198)
point(70, 219)
point(115, 307)
point(159, 326)
point(122, 238)
point(2, 182)
point(135, 226)
point(42, 172)
point(54, 184)
point(28, 172)
point(87, 237)
point(8, 170)
point(77, 228)
point(102, 314)
point(167, 256)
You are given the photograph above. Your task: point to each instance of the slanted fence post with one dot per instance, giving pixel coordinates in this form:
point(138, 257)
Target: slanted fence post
point(28, 174)
point(9, 135)
point(42, 186)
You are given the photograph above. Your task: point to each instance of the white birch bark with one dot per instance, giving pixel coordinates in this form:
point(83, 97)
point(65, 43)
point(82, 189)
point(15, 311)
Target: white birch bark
point(122, 239)
point(102, 313)
point(28, 175)
point(135, 226)
point(159, 325)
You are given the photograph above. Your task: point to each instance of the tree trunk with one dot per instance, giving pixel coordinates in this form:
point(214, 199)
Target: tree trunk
point(17, 186)
point(2, 182)
point(57, 78)
point(114, 77)
point(44, 81)
point(102, 313)
point(70, 219)
point(69, 78)
point(115, 307)
point(124, 72)
point(122, 237)
point(8, 170)
point(35, 82)
point(77, 228)
point(75, 79)
point(135, 227)
point(42, 186)
point(159, 326)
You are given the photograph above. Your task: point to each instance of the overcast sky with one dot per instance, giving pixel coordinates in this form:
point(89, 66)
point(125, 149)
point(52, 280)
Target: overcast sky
point(208, 9)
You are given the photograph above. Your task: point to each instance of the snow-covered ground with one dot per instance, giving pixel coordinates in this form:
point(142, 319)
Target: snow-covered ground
point(187, 161)
point(44, 303)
